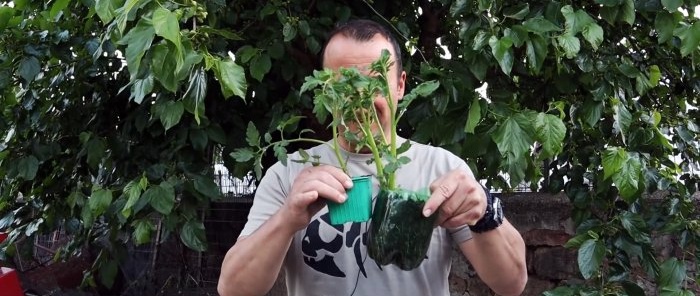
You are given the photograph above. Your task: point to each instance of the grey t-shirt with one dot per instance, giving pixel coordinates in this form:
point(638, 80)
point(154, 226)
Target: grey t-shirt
point(327, 259)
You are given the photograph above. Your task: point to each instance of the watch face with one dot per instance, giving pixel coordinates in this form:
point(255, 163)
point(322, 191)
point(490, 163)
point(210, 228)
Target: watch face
point(498, 210)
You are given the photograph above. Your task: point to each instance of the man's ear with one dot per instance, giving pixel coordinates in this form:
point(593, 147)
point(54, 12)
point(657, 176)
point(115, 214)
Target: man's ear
point(401, 85)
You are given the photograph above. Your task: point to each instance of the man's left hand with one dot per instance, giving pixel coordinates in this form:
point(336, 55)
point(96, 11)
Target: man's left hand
point(458, 198)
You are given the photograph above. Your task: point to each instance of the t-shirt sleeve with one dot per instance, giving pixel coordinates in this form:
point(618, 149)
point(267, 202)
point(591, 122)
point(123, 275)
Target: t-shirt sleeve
point(269, 198)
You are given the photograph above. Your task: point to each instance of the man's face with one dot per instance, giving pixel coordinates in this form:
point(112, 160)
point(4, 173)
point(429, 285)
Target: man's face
point(346, 52)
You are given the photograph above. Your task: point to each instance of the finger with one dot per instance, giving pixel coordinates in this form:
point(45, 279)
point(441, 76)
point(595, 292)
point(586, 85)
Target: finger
point(338, 174)
point(453, 206)
point(326, 178)
point(324, 190)
point(467, 218)
point(440, 193)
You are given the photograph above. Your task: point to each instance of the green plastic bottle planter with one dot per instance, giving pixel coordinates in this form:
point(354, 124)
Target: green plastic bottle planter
point(358, 206)
point(399, 233)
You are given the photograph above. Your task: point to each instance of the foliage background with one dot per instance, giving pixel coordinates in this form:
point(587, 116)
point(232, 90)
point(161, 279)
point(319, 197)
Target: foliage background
point(113, 112)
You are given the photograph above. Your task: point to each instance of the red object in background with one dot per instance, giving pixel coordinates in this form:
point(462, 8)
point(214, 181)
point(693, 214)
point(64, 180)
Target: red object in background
point(9, 282)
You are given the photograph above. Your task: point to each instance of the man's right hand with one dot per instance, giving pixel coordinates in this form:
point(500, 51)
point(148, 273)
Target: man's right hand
point(310, 191)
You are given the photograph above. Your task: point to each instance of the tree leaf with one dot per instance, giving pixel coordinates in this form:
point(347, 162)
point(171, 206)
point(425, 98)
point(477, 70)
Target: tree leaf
point(57, 7)
point(105, 10)
point(242, 154)
point(536, 50)
point(591, 112)
point(28, 68)
point(193, 236)
point(246, 53)
point(502, 51)
point(575, 20)
point(518, 11)
point(165, 25)
point(289, 32)
point(171, 113)
point(690, 39)
point(6, 14)
point(613, 157)
point(99, 200)
point(95, 151)
point(623, 119)
point(161, 198)
point(141, 88)
point(259, 66)
point(232, 78)
point(672, 5)
point(636, 227)
point(108, 272)
point(142, 231)
point(164, 66)
point(512, 137)
point(27, 167)
point(474, 116)
point(627, 12)
point(139, 40)
point(550, 132)
point(570, 44)
point(672, 273)
point(590, 256)
point(593, 33)
point(207, 187)
point(627, 179)
point(664, 26)
point(198, 138)
point(610, 14)
point(654, 76)
point(540, 25)
point(281, 153)
point(196, 93)
point(133, 191)
point(459, 6)
point(632, 289)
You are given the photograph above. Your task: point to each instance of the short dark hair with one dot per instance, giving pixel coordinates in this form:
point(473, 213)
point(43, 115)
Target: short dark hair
point(364, 30)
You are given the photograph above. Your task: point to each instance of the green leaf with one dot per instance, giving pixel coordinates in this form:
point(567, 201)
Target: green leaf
point(166, 26)
point(133, 191)
point(664, 25)
point(672, 5)
point(246, 52)
point(259, 66)
point(171, 113)
point(502, 51)
point(593, 34)
point(193, 236)
point(95, 151)
point(613, 157)
point(474, 116)
point(518, 11)
point(242, 154)
point(575, 21)
point(6, 14)
point(29, 67)
point(164, 66)
point(57, 7)
point(512, 137)
point(570, 44)
point(623, 119)
point(654, 75)
point(627, 12)
point(252, 136)
point(105, 10)
point(627, 179)
point(632, 289)
point(198, 138)
point(231, 77)
point(480, 40)
point(27, 167)
point(672, 273)
point(636, 227)
point(690, 39)
point(33, 227)
point(540, 25)
point(591, 112)
point(484, 5)
point(142, 231)
point(161, 198)
point(207, 187)
point(99, 201)
point(289, 32)
point(536, 50)
point(550, 132)
point(108, 272)
point(609, 14)
point(139, 39)
point(141, 88)
point(590, 256)
point(609, 2)
point(577, 241)
point(458, 7)
point(281, 153)
point(196, 93)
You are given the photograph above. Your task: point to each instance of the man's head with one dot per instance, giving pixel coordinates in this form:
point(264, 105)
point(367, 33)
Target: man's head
point(359, 43)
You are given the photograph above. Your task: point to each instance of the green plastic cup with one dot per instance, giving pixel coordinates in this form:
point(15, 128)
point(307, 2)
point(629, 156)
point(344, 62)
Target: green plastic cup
point(358, 206)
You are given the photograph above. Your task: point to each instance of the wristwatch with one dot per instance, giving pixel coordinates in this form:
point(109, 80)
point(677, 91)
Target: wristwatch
point(493, 216)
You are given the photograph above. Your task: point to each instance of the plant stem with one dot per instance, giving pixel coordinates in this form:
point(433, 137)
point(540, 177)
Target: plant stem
point(336, 149)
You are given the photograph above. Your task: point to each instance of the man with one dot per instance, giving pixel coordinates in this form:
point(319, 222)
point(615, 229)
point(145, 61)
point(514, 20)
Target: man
point(288, 223)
